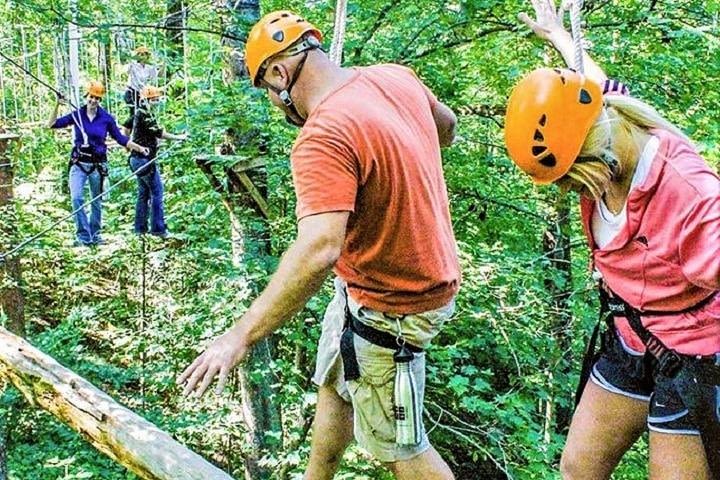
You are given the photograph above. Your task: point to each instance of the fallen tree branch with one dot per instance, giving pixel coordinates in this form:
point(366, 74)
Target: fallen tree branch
point(114, 430)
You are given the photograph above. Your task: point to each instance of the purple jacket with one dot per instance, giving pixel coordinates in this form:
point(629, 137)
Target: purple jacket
point(97, 130)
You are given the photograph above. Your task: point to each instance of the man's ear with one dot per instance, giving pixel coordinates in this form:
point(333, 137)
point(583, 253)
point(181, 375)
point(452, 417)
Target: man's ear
point(279, 72)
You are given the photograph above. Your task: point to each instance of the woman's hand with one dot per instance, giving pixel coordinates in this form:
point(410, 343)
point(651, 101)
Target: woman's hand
point(144, 151)
point(548, 21)
point(548, 26)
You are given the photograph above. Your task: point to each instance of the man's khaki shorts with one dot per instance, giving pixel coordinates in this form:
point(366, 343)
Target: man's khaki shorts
point(372, 394)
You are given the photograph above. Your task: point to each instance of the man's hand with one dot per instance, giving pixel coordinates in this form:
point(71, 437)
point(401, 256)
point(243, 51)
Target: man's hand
point(548, 21)
point(223, 354)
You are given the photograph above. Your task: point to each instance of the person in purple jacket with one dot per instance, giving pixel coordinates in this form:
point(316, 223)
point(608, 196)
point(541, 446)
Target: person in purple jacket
point(88, 160)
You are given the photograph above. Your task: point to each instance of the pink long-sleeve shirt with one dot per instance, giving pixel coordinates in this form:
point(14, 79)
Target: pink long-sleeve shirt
point(667, 256)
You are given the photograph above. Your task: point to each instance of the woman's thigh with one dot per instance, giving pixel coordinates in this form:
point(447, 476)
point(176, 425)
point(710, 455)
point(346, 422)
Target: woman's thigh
point(677, 457)
point(604, 427)
point(76, 182)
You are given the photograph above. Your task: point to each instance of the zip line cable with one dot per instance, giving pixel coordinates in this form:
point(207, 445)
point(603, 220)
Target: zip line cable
point(44, 232)
point(78, 121)
point(34, 77)
point(106, 26)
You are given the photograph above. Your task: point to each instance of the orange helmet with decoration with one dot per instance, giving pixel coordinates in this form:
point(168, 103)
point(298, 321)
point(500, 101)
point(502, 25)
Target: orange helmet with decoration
point(548, 117)
point(149, 93)
point(273, 34)
point(95, 88)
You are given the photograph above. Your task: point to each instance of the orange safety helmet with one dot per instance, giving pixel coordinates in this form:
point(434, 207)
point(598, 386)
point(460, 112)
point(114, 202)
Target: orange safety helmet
point(150, 92)
point(95, 88)
point(548, 117)
point(273, 34)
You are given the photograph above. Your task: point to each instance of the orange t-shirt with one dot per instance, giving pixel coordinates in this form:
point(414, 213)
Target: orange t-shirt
point(371, 148)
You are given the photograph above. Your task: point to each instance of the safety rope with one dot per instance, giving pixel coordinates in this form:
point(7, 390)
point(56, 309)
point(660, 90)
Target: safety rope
point(576, 26)
point(336, 47)
point(44, 232)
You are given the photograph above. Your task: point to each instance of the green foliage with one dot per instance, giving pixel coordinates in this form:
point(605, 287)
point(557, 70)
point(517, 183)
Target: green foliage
point(503, 371)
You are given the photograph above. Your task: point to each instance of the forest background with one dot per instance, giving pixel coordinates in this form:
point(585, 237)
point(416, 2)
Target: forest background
point(129, 316)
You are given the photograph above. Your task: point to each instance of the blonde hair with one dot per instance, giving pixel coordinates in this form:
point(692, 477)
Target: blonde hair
point(616, 137)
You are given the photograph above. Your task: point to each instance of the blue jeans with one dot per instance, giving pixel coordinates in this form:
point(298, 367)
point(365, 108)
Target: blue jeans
point(86, 233)
point(149, 198)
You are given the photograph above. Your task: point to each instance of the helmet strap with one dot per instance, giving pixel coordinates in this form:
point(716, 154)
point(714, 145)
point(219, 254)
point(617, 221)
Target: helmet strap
point(285, 94)
point(612, 164)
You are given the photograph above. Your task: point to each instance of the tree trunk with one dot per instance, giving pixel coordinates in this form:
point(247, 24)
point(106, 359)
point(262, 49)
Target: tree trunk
point(114, 430)
point(556, 244)
point(243, 15)
point(260, 412)
point(174, 35)
point(12, 302)
point(3, 459)
point(74, 38)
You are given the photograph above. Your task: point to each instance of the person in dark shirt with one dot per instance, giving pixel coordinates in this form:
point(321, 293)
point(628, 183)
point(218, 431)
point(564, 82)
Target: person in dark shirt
point(88, 161)
point(144, 129)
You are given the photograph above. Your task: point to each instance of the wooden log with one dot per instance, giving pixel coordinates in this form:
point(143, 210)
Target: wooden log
point(113, 429)
point(236, 173)
point(238, 162)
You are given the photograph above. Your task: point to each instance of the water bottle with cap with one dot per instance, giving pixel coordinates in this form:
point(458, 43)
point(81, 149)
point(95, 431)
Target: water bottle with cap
point(408, 411)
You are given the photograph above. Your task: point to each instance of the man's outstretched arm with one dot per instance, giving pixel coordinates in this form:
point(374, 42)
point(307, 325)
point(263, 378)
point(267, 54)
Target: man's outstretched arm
point(301, 272)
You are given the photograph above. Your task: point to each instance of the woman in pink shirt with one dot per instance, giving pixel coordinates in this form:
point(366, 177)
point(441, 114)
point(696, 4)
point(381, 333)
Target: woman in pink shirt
point(651, 211)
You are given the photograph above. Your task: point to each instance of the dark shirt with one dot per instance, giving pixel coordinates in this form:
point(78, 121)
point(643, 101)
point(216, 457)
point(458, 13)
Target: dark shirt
point(145, 130)
point(97, 130)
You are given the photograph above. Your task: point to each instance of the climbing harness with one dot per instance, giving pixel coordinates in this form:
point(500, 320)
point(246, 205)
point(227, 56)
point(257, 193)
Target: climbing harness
point(697, 376)
point(85, 158)
point(407, 407)
point(45, 231)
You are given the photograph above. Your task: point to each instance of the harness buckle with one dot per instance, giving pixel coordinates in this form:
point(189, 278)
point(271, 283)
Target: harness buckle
point(669, 363)
point(284, 96)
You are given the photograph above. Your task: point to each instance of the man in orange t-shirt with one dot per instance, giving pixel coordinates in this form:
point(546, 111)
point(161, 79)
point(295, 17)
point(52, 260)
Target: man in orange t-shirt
point(372, 205)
